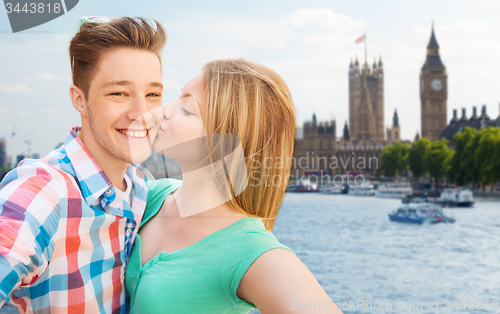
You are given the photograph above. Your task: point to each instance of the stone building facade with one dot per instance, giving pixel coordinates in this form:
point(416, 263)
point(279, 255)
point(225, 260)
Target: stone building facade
point(358, 148)
point(319, 149)
point(366, 102)
point(394, 132)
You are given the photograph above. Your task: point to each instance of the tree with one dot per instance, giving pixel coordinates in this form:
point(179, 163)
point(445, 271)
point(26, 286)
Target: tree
point(416, 157)
point(394, 159)
point(437, 158)
point(468, 163)
point(487, 155)
point(458, 167)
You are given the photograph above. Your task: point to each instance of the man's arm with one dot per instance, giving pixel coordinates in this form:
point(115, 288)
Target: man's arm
point(29, 215)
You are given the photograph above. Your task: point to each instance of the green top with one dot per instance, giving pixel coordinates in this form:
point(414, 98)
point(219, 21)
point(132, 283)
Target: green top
point(200, 278)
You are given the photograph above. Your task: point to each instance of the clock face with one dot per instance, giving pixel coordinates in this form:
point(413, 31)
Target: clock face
point(380, 75)
point(436, 85)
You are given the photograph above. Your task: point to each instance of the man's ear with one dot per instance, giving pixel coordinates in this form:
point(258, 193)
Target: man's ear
point(78, 99)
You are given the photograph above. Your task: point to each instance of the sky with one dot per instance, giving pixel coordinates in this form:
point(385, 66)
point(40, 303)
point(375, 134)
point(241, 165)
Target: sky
point(309, 43)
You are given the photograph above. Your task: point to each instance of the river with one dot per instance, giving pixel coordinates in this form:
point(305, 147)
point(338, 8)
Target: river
point(358, 255)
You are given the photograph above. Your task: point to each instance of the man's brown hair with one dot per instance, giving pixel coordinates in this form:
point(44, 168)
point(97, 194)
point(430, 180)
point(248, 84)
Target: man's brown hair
point(94, 39)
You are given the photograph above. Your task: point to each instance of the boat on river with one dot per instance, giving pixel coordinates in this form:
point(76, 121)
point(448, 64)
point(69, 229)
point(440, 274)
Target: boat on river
point(419, 212)
point(361, 190)
point(331, 189)
point(456, 197)
point(394, 190)
point(302, 186)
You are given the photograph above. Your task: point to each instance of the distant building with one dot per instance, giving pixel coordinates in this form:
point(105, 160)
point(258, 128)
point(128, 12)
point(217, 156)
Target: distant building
point(35, 156)
point(3, 152)
point(394, 133)
point(477, 122)
point(433, 92)
point(366, 102)
point(357, 150)
point(417, 137)
point(320, 150)
point(19, 158)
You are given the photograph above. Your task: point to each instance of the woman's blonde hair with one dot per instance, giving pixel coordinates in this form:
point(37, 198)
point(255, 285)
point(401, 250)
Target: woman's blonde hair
point(253, 102)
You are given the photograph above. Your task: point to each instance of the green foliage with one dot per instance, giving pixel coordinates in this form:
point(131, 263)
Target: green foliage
point(416, 157)
point(487, 155)
point(461, 161)
point(474, 160)
point(437, 158)
point(394, 159)
point(469, 165)
point(477, 157)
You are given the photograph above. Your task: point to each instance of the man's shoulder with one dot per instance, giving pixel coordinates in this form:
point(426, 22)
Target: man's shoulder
point(37, 175)
point(37, 188)
point(55, 166)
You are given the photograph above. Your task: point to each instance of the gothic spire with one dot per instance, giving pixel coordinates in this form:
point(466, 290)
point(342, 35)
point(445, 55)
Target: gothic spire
point(433, 59)
point(395, 119)
point(346, 132)
point(433, 42)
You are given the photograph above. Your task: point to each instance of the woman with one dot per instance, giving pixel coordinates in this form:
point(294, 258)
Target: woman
point(205, 244)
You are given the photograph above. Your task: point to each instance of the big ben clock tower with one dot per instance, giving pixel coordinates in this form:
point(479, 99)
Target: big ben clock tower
point(433, 92)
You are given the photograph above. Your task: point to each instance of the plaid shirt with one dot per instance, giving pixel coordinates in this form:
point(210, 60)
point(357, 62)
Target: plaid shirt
point(65, 237)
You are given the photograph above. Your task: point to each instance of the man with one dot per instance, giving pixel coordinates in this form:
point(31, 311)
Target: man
point(68, 221)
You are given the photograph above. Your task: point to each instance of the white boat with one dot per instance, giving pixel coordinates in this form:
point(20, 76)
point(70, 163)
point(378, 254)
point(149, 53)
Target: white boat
point(331, 189)
point(417, 211)
point(361, 190)
point(457, 197)
point(302, 186)
point(394, 190)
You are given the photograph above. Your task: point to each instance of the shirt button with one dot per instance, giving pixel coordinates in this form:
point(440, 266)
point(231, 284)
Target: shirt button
point(108, 191)
point(128, 232)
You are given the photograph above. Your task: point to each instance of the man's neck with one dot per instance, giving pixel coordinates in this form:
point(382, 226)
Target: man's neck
point(113, 167)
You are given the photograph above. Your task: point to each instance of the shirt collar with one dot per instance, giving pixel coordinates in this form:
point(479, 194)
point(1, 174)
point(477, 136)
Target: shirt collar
point(91, 178)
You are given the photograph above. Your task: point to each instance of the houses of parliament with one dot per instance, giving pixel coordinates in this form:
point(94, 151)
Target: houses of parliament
point(364, 136)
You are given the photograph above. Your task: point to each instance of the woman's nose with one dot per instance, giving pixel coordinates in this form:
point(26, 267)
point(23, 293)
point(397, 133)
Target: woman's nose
point(168, 111)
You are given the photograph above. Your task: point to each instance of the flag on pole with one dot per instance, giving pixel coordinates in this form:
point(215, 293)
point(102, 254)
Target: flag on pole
point(360, 39)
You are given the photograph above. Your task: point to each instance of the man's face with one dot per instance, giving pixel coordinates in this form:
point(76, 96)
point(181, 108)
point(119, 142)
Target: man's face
point(122, 95)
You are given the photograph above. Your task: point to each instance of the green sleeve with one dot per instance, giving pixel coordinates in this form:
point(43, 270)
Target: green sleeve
point(248, 245)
